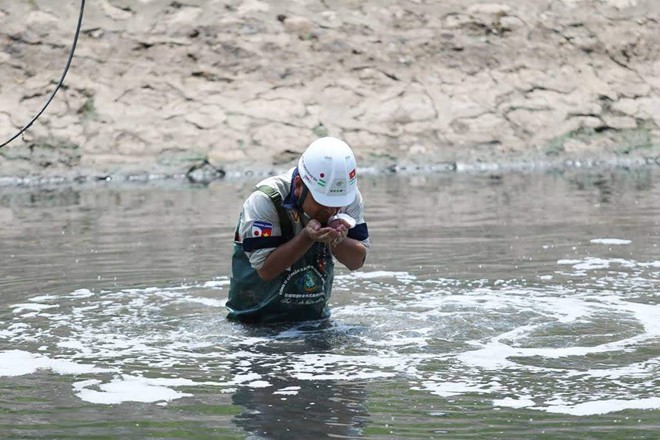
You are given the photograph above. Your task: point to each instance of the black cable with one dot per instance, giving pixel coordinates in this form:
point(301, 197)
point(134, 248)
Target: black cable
point(66, 69)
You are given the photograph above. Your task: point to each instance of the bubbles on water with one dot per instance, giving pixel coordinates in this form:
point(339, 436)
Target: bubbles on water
point(611, 241)
point(579, 348)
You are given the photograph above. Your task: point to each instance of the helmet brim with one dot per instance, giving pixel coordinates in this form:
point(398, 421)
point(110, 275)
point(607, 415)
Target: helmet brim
point(333, 201)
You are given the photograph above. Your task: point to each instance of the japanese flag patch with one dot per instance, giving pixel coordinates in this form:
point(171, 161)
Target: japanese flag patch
point(262, 229)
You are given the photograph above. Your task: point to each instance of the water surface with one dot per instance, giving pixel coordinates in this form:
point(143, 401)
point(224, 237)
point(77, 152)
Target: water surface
point(515, 305)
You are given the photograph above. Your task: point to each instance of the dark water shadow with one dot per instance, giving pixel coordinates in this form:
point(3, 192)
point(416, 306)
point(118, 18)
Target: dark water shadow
point(290, 407)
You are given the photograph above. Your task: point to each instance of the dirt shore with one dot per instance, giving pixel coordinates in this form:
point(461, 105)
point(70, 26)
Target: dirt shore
point(161, 87)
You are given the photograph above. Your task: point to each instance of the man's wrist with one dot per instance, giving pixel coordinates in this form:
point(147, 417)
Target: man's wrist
point(340, 240)
point(306, 235)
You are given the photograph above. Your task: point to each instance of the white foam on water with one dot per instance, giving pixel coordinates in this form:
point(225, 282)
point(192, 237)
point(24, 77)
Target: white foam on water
point(605, 406)
point(611, 241)
point(43, 298)
point(553, 306)
point(519, 402)
point(13, 331)
point(20, 308)
point(288, 391)
point(249, 377)
point(218, 283)
point(401, 341)
point(130, 389)
point(493, 356)
point(592, 263)
point(20, 363)
point(259, 384)
point(344, 376)
point(81, 293)
point(326, 366)
point(72, 344)
point(377, 274)
point(359, 310)
point(640, 370)
point(210, 302)
point(502, 339)
point(587, 264)
point(446, 388)
point(496, 354)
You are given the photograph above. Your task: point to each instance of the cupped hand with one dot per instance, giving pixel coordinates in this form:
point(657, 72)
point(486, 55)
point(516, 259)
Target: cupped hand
point(317, 233)
point(341, 227)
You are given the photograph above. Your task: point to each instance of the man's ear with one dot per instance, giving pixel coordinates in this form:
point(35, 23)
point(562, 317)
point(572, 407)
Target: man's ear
point(297, 186)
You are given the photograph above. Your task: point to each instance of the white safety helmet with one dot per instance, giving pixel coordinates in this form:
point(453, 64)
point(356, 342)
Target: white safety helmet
point(328, 170)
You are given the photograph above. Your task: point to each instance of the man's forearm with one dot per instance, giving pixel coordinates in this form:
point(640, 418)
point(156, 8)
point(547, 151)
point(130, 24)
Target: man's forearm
point(351, 253)
point(284, 256)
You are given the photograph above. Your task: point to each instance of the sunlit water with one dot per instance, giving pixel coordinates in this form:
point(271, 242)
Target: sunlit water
point(491, 306)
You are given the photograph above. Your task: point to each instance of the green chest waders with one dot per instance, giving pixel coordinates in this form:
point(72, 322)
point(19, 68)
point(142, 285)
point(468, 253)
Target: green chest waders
point(299, 293)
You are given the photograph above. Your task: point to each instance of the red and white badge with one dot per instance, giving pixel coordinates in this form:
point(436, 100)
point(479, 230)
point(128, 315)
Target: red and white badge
point(262, 229)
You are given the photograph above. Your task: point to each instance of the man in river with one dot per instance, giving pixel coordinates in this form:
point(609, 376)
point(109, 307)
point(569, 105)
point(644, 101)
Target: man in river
point(288, 232)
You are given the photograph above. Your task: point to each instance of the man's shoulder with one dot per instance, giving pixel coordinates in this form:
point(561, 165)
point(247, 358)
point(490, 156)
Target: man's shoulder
point(281, 183)
point(260, 201)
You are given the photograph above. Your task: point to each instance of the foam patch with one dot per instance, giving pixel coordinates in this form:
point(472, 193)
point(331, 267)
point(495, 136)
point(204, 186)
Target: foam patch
point(520, 344)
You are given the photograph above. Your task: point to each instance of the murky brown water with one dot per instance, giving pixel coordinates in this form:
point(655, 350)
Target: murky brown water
point(492, 306)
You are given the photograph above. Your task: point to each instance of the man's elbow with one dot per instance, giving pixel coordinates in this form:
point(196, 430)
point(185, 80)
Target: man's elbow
point(266, 275)
point(355, 265)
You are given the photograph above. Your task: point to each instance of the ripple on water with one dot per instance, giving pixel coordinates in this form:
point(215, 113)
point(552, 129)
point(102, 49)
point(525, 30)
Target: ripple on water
point(579, 349)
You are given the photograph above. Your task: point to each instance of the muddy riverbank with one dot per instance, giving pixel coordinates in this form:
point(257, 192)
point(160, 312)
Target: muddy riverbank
point(158, 88)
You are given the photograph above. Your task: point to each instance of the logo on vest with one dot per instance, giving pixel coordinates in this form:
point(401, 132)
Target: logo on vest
point(305, 285)
point(310, 282)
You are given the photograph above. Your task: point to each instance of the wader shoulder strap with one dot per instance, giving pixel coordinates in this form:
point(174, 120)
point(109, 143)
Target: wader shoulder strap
point(276, 198)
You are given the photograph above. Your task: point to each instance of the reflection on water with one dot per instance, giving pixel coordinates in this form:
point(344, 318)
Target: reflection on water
point(281, 406)
point(491, 306)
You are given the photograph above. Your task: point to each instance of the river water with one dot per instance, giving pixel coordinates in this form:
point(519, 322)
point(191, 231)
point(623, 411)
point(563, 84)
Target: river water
point(499, 306)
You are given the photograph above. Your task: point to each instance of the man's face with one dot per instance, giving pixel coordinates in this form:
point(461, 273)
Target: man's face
point(311, 207)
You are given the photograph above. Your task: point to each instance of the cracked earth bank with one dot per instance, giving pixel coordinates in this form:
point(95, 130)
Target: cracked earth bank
point(160, 86)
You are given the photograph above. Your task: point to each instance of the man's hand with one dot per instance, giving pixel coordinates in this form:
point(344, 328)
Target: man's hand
point(341, 227)
point(351, 253)
point(327, 235)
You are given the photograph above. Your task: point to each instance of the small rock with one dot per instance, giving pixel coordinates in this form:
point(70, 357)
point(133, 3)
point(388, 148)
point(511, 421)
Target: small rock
point(114, 12)
point(40, 18)
point(248, 7)
point(204, 172)
point(621, 4)
point(510, 23)
point(286, 156)
point(620, 122)
point(455, 21)
point(298, 25)
point(330, 19)
point(224, 154)
point(490, 9)
point(575, 146)
point(417, 149)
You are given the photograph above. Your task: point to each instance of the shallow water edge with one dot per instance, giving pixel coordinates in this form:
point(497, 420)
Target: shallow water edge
point(205, 173)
